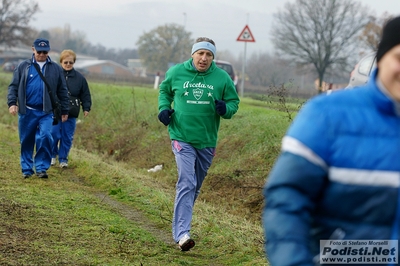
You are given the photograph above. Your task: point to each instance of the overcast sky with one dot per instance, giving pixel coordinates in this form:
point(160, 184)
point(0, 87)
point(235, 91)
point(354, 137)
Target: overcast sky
point(119, 23)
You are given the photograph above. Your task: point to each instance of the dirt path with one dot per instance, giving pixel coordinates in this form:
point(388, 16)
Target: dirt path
point(128, 212)
point(137, 217)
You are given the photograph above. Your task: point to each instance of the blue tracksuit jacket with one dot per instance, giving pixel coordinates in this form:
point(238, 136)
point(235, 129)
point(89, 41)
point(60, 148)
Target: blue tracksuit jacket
point(52, 73)
point(339, 169)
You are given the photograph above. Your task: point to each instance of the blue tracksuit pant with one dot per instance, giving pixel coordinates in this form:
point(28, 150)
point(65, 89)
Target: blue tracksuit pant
point(63, 135)
point(192, 165)
point(35, 128)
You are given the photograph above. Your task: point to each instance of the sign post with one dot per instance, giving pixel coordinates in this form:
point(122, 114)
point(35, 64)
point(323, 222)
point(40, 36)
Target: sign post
point(245, 36)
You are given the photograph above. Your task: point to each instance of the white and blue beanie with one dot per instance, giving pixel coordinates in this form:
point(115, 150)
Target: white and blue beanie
point(204, 45)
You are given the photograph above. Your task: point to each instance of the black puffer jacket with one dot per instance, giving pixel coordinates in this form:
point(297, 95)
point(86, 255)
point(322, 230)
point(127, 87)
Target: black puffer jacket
point(78, 87)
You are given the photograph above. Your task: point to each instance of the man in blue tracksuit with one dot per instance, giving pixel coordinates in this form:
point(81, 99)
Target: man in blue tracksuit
point(29, 98)
point(338, 176)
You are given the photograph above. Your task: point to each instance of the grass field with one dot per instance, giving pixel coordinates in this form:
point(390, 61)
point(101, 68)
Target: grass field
point(106, 209)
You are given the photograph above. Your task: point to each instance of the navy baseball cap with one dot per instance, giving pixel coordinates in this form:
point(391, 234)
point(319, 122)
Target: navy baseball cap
point(41, 45)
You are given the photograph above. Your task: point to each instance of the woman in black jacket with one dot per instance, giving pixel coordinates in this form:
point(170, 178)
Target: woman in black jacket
point(63, 133)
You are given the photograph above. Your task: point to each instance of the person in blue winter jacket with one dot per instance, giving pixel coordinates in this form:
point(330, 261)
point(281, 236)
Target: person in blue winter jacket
point(28, 96)
point(338, 175)
point(63, 134)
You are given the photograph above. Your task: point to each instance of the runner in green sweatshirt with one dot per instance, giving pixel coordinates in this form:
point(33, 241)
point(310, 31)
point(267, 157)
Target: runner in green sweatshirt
point(193, 97)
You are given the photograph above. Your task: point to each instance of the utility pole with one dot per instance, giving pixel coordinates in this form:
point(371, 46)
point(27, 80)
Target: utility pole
point(184, 27)
point(245, 36)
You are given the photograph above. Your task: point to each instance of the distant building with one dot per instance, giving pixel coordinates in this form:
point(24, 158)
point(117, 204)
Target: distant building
point(87, 65)
point(9, 54)
point(335, 85)
point(103, 68)
point(135, 65)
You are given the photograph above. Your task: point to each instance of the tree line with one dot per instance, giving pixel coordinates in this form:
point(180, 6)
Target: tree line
point(321, 37)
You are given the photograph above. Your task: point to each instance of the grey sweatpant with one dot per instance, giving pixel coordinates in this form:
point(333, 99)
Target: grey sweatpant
point(192, 165)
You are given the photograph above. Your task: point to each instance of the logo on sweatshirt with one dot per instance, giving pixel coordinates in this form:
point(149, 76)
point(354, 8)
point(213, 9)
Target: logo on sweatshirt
point(197, 89)
point(187, 84)
point(197, 93)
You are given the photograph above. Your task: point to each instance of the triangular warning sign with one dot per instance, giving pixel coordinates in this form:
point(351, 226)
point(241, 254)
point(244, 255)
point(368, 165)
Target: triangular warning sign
point(245, 35)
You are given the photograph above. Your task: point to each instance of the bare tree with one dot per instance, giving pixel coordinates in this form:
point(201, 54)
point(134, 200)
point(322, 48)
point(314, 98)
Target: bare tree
point(165, 45)
point(15, 16)
point(371, 34)
point(65, 38)
point(319, 32)
point(266, 70)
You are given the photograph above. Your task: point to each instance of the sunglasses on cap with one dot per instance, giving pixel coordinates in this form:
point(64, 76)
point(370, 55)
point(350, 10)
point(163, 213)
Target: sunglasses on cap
point(42, 52)
point(68, 62)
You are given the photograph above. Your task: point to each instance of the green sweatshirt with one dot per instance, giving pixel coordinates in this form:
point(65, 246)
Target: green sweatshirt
point(195, 120)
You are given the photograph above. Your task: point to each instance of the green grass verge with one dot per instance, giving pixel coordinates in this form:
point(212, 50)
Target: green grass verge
point(106, 209)
point(66, 221)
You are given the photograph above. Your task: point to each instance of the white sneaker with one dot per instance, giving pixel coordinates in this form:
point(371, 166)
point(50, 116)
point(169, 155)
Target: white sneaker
point(186, 243)
point(63, 165)
point(53, 161)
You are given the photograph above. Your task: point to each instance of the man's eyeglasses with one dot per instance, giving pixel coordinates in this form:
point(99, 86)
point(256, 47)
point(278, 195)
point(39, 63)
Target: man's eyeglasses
point(42, 52)
point(68, 62)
